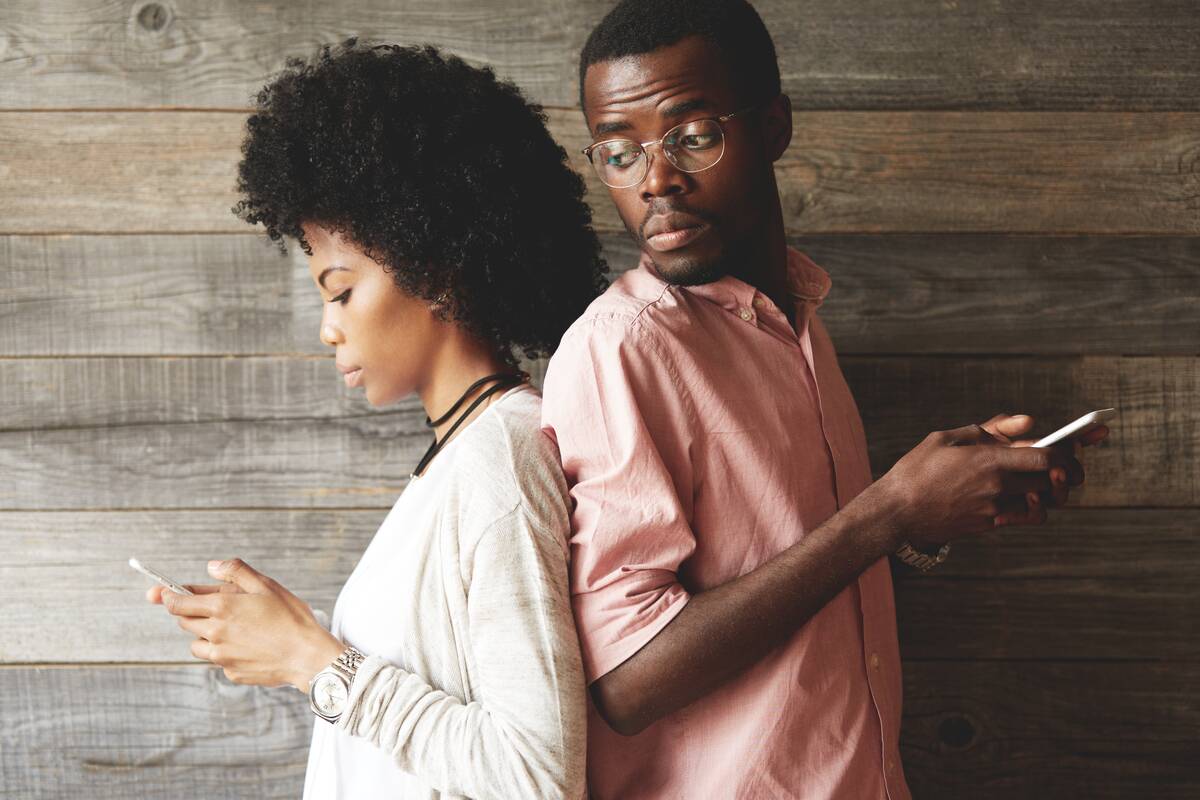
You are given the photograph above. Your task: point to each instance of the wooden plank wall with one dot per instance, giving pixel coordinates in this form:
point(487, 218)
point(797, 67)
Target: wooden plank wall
point(1006, 194)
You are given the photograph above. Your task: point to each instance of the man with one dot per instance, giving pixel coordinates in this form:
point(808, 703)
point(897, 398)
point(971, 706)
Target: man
point(730, 574)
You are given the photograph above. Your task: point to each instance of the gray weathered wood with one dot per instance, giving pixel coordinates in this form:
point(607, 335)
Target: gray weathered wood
point(149, 732)
point(1121, 581)
point(881, 172)
point(867, 54)
point(1017, 729)
point(156, 295)
point(986, 293)
point(67, 573)
point(227, 294)
point(275, 432)
point(1150, 459)
point(984, 729)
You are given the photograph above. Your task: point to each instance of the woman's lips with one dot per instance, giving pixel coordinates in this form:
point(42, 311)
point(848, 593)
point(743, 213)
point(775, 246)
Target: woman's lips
point(674, 239)
point(353, 378)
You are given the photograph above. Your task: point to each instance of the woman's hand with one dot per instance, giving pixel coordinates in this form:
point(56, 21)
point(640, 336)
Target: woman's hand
point(253, 627)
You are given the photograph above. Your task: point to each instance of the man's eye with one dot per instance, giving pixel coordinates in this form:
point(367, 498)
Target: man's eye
point(341, 298)
point(698, 141)
point(620, 158)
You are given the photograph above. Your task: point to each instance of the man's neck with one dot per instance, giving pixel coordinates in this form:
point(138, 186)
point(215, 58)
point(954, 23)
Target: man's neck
point(766, 267)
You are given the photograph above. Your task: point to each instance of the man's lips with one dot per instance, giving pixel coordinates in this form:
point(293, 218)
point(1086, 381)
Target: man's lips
point(674, 230)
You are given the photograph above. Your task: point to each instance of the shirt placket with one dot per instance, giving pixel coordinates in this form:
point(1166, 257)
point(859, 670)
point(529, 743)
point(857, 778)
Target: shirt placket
point(873, 664)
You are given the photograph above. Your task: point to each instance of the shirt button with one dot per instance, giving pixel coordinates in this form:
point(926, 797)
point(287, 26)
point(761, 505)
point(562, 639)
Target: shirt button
point(875, 660)
point(891, 765)
point(746, 314)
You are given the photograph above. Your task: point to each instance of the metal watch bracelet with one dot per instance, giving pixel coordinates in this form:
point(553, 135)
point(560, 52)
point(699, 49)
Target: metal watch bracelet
point(922, 561)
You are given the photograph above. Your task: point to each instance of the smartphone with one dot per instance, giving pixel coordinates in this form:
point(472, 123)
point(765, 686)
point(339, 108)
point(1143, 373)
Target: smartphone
point(174, 586)
point(1078, 426)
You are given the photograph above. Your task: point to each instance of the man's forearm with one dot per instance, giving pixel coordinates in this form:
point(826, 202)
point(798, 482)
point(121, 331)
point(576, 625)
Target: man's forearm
point(724, 630)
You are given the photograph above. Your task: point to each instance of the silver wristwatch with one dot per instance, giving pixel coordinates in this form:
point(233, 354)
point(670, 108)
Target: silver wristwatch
point(922, 561)
point(329, 690)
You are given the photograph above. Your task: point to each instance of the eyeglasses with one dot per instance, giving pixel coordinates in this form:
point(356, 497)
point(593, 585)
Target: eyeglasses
point(691, 147)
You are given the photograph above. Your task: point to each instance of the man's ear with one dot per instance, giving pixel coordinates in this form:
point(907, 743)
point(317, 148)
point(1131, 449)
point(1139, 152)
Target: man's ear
point(777, 126)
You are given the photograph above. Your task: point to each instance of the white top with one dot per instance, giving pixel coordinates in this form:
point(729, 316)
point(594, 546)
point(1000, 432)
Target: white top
point(472, 684)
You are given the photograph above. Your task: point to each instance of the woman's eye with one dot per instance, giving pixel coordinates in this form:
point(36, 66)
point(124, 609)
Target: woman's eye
point(341, 298)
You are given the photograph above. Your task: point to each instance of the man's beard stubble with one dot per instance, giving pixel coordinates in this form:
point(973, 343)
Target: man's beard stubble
point(685, 271)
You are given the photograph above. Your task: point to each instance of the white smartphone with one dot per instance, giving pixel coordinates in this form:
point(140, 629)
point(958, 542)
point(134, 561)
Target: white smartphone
point(174, 586)
point(1078, 426)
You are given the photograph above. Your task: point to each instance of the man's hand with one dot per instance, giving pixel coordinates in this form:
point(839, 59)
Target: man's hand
point(1005, 428)
point(950, 485)
point(253, 627)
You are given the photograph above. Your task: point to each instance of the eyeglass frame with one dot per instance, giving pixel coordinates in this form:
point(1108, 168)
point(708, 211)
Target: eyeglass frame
point(587, 151)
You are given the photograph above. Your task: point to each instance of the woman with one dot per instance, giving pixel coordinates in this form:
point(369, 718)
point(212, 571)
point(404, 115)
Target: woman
point(445, 232)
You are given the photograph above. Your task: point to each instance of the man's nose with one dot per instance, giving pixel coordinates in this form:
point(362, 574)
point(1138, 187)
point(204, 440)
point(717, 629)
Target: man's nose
point(662, 177)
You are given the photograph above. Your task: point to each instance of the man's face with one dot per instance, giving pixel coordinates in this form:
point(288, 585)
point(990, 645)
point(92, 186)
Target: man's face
point(696, 227)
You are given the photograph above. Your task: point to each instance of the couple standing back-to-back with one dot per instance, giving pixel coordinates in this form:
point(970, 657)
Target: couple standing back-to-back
point(707, 525)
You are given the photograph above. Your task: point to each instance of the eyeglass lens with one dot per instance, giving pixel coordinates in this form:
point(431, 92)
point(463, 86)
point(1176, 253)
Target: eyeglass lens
point(691, 147)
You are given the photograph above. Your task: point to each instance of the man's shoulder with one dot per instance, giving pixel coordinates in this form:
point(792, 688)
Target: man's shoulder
point(622, 312)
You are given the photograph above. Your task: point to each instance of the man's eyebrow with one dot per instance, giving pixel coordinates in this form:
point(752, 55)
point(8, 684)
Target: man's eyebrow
point(327, 270)
point(677, 110)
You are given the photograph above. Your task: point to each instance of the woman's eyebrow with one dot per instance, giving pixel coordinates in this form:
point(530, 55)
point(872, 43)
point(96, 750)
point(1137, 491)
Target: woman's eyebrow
point(327, 270)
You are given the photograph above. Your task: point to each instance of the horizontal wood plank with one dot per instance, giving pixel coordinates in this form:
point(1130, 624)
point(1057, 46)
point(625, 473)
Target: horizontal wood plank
point(280, 432)
point(978, 729)
point(991, 293)
point(228, 294)
point(1105, 730)
point(1121, 581)
point(67, 572)
point(870, 172)
point(1149, 459)
point(149, 732)
point(866, 54)
point(156, 295)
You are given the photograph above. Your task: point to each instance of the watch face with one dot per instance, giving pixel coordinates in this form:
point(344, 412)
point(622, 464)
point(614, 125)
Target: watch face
point(329, 694)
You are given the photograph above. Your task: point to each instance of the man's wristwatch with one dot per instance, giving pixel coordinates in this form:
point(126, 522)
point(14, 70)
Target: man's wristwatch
point(329, 690)
point(922, 561)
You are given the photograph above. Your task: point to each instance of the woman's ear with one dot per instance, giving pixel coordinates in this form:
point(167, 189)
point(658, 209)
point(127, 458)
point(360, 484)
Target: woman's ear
point(777, 126)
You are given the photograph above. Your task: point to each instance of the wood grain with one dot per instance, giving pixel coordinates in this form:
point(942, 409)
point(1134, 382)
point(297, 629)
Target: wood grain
point(978, 729)
point(156, 295)
point(67, 572)
point(1120, 580)
point(137, 732)
point(998, 294)
point(866, 54)
point(1150, 458)
point(228, 294)
point(846, 172)
point(1051, 729)
point(274, 431)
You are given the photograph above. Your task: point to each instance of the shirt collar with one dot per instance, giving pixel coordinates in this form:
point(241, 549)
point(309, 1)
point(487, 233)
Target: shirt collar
point(806, 282)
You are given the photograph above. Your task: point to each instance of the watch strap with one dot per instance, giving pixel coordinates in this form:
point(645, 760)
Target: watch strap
point(922, 561)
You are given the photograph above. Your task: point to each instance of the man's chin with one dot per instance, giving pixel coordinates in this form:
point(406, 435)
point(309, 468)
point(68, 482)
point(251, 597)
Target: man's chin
point(684, 269)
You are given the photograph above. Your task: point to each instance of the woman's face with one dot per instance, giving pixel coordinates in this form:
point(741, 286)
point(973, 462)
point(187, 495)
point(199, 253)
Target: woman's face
point(384, 337)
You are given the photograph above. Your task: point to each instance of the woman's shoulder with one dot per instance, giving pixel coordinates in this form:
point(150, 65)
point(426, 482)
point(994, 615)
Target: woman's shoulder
point(507, 462)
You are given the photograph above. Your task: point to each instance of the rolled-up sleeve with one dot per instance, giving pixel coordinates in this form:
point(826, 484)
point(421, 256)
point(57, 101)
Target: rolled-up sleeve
point(614, 403)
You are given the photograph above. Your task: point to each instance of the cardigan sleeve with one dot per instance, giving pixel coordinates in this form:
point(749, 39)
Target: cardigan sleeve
point(525, 734)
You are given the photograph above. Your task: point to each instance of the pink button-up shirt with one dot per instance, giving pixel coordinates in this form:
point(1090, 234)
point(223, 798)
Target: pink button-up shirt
point(702, 435)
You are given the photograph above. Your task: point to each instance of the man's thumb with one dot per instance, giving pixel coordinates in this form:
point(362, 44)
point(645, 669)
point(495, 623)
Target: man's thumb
point(970, 434)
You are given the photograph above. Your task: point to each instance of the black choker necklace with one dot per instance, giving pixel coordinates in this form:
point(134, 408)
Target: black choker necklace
point(503, 380)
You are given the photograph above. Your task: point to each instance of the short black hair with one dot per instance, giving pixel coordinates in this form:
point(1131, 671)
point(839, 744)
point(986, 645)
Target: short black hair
point(444, 175)
point(635, 27)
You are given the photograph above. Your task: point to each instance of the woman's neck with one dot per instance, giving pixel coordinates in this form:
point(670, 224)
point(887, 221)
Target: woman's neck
point(460, 364)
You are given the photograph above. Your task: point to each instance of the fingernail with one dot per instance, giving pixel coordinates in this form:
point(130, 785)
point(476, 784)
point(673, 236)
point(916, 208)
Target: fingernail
point(215, 566)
